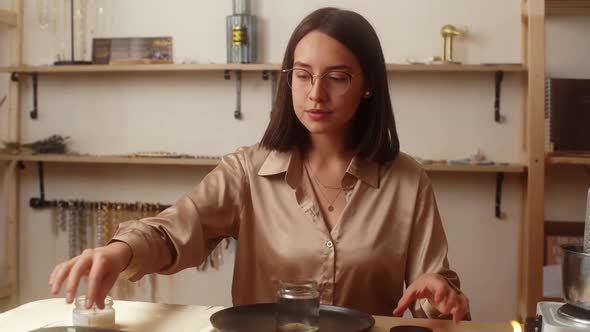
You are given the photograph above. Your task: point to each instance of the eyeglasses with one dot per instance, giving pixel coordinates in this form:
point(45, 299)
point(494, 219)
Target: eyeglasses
point(335, 82)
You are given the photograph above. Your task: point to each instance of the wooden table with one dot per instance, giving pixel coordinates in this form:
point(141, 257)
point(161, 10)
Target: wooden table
point(155, 317)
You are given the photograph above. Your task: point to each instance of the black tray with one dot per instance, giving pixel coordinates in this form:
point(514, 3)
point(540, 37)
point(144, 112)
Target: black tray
point(261, 318)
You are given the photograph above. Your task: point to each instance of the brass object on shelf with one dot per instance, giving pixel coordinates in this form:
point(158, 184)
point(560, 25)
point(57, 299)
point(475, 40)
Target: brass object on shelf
point(448, 32)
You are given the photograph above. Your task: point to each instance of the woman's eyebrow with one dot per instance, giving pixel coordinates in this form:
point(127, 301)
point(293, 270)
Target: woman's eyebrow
point(305, 65)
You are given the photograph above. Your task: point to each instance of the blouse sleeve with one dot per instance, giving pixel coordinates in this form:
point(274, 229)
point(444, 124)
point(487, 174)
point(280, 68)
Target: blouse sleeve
point(427, 252)
point(184, 235)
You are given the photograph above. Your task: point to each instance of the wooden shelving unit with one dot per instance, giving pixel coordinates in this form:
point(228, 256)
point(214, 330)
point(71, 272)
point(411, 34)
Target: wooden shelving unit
point(168, 68)
point(8, 18)
point(562, 159)
point(567, 7)
point(532, 167)
point(212, 161)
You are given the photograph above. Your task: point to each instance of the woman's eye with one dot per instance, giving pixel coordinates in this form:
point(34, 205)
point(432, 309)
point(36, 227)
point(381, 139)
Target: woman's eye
point(338, 77)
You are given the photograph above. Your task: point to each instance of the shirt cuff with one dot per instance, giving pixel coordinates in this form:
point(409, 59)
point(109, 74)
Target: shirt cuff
point(139, 249)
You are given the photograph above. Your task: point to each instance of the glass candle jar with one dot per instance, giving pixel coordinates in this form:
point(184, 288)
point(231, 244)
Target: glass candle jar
point(94, 316)
point(298, 306)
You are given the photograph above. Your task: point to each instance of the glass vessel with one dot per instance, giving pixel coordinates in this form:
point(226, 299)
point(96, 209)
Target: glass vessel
point(298, 306)
point(94, 316)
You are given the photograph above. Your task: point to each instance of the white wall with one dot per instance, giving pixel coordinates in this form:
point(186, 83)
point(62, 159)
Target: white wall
point(438, 115)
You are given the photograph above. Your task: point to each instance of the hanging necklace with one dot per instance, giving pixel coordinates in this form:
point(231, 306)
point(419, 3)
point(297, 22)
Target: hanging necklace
point(320, 185)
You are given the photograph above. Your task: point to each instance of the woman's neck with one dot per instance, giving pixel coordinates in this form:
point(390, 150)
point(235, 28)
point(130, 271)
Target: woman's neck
point(328, 149)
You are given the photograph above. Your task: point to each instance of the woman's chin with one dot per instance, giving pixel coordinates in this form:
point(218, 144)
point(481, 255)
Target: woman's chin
point(318, 128)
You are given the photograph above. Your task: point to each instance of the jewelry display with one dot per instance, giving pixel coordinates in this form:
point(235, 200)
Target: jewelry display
point(71, 230)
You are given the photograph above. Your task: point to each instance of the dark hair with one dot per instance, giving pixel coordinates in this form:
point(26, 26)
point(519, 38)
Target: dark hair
point(373, 135)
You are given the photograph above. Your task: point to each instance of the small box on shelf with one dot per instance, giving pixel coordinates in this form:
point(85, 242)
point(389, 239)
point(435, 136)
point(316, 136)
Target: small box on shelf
point(125, 51)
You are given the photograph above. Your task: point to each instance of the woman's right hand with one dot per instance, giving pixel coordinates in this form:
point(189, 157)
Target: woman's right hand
point(102, 267)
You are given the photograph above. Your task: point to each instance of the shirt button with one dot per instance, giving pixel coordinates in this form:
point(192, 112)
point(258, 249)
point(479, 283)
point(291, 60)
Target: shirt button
point(329, 244)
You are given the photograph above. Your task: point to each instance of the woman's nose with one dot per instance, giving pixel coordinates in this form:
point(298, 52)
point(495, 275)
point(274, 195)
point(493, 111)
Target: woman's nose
point(317, 91)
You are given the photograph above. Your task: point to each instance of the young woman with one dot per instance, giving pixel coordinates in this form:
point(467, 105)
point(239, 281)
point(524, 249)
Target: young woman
point(326, 195)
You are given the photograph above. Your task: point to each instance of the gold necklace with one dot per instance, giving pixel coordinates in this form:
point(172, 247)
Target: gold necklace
point(330, 203)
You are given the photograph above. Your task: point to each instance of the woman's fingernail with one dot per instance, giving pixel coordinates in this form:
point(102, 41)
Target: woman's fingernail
point(88, 303)
point(69, 297)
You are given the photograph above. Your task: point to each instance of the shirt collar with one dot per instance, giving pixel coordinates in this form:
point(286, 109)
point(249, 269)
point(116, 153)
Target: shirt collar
point(277, 162)
point(365, 170)
point(290, 163)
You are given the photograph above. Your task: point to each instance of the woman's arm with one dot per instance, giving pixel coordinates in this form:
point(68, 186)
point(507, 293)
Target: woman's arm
point(179, 237)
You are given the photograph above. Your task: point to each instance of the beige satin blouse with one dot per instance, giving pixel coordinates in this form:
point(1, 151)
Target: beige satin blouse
point(389, 232)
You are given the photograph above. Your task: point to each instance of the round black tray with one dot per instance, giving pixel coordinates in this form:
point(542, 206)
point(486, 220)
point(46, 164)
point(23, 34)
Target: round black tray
point(261, 318)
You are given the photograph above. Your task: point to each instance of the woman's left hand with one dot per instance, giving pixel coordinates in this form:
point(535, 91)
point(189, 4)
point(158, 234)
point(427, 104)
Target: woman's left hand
point(441, 295)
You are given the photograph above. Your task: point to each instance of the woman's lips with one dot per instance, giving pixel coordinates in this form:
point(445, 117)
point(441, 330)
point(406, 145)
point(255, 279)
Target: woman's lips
point(316, 114)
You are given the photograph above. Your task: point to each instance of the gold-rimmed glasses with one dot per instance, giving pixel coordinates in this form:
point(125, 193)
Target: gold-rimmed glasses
point(334, 82)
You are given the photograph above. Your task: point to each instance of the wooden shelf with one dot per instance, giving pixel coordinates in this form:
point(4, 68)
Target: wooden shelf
point(567, 7)
point(510, 168)
point(54, 158)
point(476, 68)
point(561, 159)
point(8, 18)
point(73, 159)
point(164, 68)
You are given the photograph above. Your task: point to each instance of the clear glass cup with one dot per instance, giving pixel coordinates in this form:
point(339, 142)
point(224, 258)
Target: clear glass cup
point(298, 306)
point(94, 316)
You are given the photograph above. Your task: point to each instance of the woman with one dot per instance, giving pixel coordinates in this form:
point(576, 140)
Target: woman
point(326, 195)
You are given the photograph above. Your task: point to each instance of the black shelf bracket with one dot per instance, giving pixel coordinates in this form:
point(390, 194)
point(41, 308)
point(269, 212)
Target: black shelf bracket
point(14, 77)
point(499, 118)
point(39, 202)
point(265, 75)
point(238, 74)
point(35, 112)
point(499, 182)
point(238, 111)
